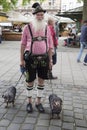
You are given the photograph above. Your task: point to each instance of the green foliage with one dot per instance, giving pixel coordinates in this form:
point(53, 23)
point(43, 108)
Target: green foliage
point(79, 0)
point(12, 4)
point(41, 1)
point(24, 2)
point(8, 5)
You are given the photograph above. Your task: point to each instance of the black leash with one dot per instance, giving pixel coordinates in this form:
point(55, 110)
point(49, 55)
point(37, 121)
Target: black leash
point(18, 80)
point(50, 80)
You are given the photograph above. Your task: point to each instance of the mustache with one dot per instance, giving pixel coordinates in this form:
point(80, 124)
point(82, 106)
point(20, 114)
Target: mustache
point(39, 25)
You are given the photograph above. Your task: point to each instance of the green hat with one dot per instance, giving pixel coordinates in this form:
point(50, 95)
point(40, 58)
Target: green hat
point(37, 9)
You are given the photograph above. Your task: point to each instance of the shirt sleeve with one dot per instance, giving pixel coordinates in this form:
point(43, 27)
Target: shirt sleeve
point(49, 38)
point(24, 36)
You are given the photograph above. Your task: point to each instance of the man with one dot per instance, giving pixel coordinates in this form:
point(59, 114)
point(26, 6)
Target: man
point(57, 29)
point(83, 39)
point(37, 48)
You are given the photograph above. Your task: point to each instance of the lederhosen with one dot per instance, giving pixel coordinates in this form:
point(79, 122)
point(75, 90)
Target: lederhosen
point(36, 61)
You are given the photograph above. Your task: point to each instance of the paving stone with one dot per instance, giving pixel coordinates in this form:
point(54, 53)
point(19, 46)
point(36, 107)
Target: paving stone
point(77, 105)
point(34, 114)
point(78, 110)
point(30, 120)
point(81, 123)
point(21, 113)
point(68, 119)
point(54, 128)
point(44, 116)
point(67, 102)
point(68, 113)
point(41, 128)
point(79, 128)
point(13, 127)
point(41, 122)
point(68, 126)
point(1, 115)
point(18, 120)
point(79, 116)
point(9, 116)
point(3, 128)
point(27, 127)
point(85, 107)
point(56, 122)
point(68, 107)
point(4, 122)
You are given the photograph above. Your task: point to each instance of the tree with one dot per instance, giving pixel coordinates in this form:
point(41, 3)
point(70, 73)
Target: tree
point(24, 2)
point(8, 4)
point(11, 4)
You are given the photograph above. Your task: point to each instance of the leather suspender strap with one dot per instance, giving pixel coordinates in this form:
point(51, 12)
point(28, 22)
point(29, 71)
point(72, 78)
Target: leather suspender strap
point(31, 37)
point(46, 37)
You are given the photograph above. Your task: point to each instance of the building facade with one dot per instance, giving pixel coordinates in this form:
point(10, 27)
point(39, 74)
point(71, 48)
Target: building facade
point(70, 4)
point(52, 6)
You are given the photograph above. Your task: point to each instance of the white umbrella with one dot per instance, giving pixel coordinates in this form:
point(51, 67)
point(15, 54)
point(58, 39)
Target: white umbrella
point(58, 18)
point(48, 16)
point(65, 20)
point(18, 17)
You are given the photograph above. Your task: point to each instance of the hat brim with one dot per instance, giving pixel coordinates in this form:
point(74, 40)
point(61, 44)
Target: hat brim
point(44, 11)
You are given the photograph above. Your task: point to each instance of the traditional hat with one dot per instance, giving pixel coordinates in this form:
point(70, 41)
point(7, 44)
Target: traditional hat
point(37, 8)
point(35, 5)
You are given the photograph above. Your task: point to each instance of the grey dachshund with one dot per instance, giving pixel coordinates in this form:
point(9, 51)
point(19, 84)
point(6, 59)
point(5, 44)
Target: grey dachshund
point(9, 96)
point(55, 105)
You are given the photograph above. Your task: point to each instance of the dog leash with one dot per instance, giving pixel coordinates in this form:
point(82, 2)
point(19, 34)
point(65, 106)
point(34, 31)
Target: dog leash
point(19, 79)
point(16, 82)
point(23, 70)
point(50, 80)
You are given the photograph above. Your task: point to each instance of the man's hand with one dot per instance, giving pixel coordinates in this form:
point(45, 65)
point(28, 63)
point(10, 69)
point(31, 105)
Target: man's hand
point(22, 69)
point(50, 64)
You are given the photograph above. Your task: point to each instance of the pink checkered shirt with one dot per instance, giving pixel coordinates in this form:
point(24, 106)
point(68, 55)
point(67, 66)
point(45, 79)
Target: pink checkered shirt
point(39, 47)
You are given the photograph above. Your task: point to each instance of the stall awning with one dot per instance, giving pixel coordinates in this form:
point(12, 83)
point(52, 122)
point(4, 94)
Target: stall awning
point(73, 13)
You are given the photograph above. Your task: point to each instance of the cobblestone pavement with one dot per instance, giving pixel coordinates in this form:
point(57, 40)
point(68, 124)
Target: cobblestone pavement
point(71, 86)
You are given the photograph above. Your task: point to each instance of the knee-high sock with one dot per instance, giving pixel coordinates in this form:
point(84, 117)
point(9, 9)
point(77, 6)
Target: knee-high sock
point(29, 91)
point(40, 90)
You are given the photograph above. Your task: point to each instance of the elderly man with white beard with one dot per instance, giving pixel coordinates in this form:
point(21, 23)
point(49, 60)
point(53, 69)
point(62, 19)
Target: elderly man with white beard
point(36, 55)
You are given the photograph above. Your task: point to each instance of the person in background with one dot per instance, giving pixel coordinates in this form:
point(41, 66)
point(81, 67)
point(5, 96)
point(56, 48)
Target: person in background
point(70, 39)
point(36, 55)
point(74, 31)
point(83, 40)
point(0, 34)
point(51, 24)
point(56, 27)
point(85, 60)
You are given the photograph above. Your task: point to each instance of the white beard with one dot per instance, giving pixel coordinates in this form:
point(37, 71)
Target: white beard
point(38, 24)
